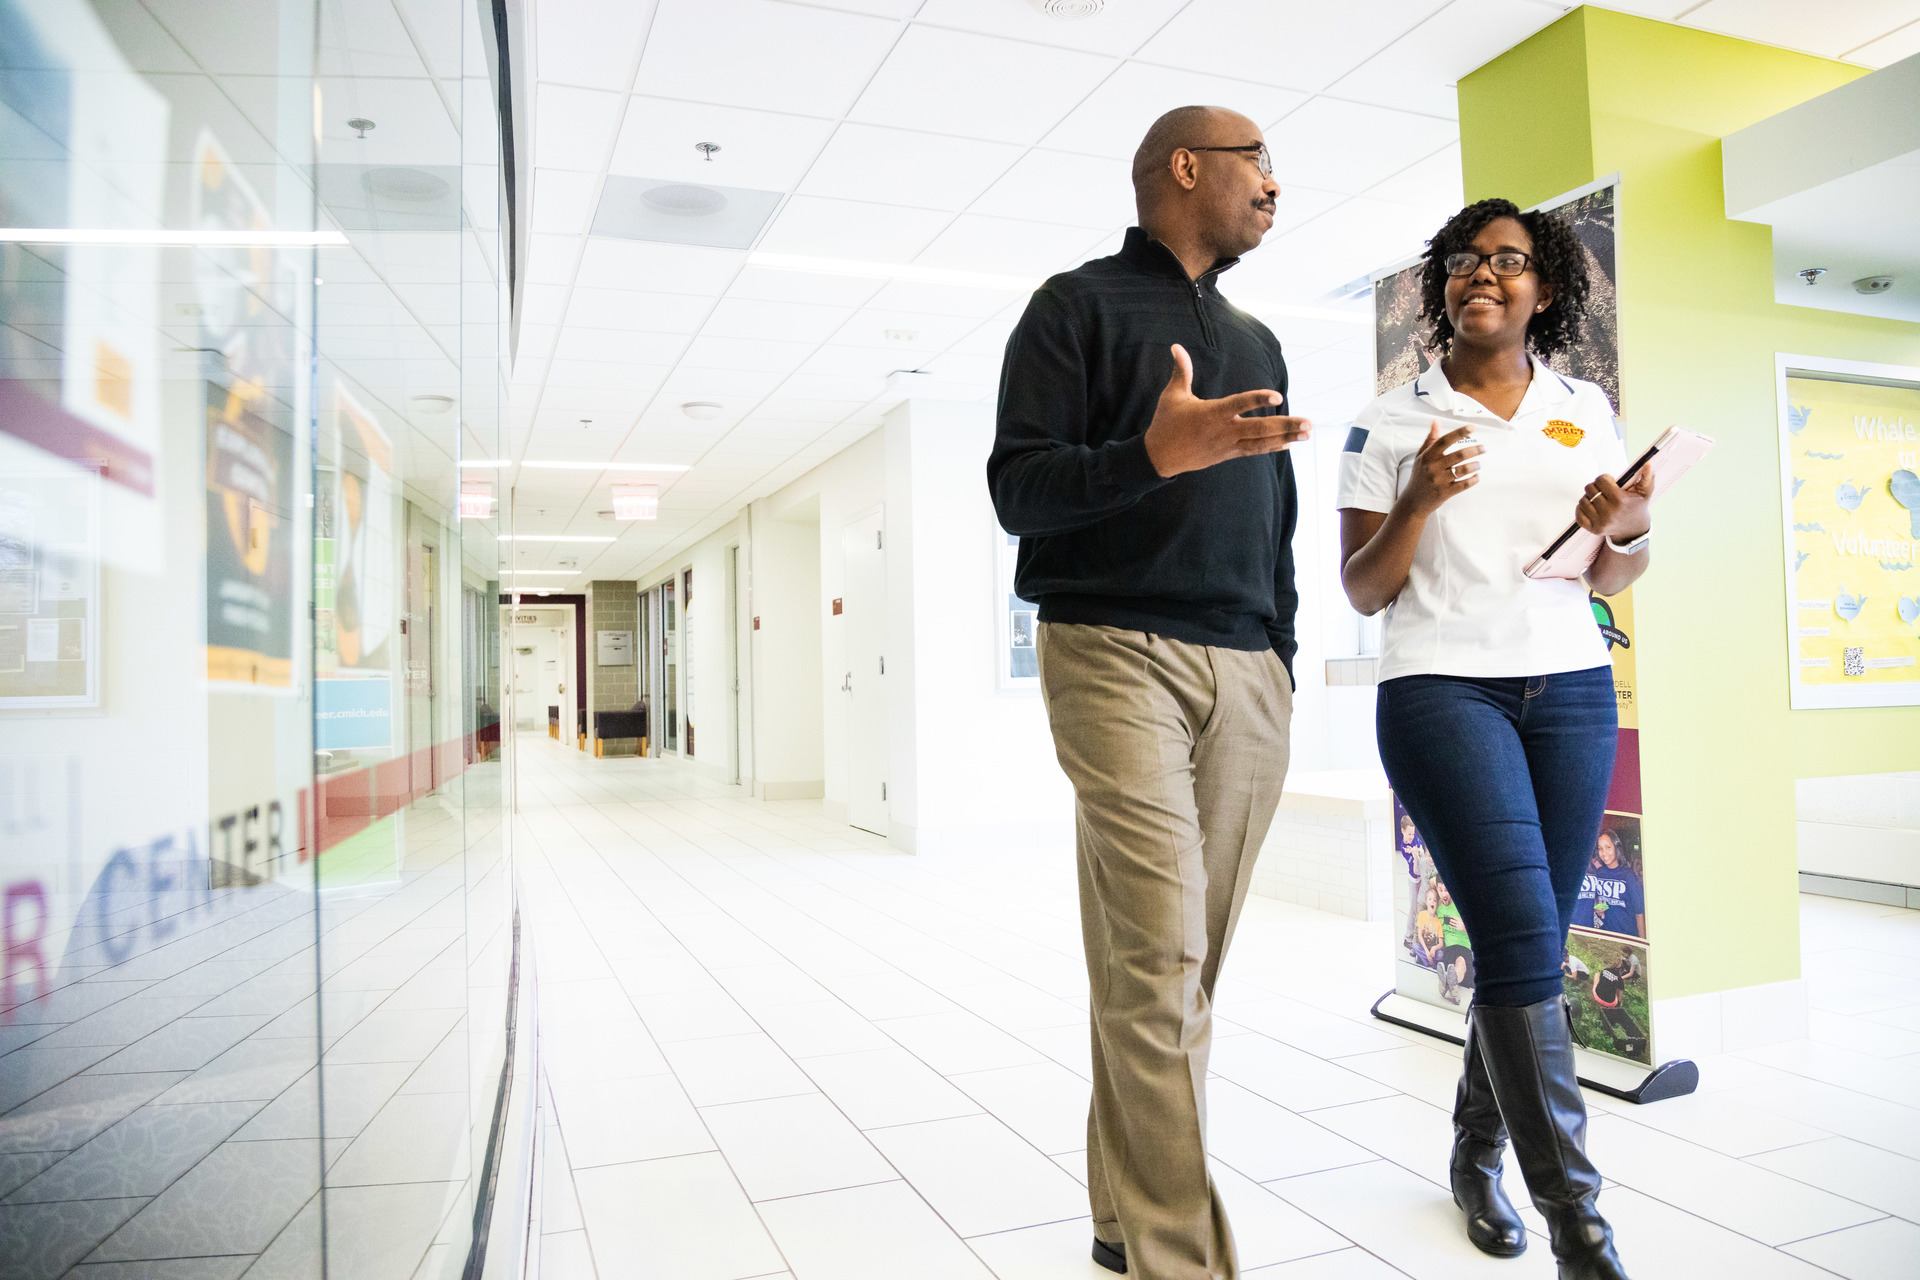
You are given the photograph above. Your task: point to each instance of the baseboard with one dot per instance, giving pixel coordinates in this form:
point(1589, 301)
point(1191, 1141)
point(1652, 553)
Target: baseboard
point(1725, 1021)
point(788, 790)
point(1888, 895)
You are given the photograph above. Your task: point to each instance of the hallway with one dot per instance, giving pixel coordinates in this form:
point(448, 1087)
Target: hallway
point(774, 1047)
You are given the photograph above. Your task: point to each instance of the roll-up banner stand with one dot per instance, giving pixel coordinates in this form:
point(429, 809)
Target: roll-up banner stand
point(1610, 964)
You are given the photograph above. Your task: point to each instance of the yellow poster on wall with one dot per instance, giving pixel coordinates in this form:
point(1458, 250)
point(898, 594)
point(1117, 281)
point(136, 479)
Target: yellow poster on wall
point(1850, 476)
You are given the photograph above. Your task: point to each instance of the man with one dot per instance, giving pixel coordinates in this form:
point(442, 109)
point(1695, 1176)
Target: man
point(1140, 460)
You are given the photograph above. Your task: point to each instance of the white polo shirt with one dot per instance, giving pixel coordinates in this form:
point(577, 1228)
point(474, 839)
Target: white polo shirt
point(1468, 608)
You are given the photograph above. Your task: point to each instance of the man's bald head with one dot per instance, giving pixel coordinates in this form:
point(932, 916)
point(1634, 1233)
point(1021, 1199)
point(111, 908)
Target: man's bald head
point(1180, 127)
point(1185, 176)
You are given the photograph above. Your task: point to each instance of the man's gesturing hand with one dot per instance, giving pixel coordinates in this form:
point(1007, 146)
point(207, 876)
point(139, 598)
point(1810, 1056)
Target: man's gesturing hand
point(1191, 434)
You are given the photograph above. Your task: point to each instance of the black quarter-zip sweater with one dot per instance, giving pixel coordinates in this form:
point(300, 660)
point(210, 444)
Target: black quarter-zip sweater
point(1206, 557)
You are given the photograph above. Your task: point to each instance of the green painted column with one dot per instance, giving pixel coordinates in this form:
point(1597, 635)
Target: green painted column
point(1599, 93)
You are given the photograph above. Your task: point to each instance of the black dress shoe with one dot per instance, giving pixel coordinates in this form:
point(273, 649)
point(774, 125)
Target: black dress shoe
point(1111, 1256)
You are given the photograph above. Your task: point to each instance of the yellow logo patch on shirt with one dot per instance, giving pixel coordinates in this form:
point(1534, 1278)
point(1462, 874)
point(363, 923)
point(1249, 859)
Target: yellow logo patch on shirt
point(1560, 431)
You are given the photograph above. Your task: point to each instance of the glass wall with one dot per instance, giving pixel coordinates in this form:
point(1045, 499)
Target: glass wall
point(257, 1007)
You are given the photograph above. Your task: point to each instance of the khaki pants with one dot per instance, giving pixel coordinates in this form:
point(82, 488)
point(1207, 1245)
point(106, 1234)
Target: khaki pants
point(1177, 753)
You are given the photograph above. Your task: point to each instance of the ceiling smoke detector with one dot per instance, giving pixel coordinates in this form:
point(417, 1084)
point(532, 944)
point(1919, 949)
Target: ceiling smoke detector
point(431, 404)
point(1871, 285)
point(701, 410)
point(1070, 10)
point(684, 200)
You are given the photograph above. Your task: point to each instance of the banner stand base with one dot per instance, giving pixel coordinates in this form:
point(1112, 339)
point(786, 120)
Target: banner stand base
point(1615, 1077)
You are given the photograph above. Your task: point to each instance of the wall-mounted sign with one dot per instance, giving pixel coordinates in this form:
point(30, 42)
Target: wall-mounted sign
point(838, 607)
point(614, 648)
point(353, 713)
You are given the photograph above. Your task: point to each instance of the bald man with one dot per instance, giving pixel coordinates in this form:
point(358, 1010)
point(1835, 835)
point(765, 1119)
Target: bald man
point(1141, 459)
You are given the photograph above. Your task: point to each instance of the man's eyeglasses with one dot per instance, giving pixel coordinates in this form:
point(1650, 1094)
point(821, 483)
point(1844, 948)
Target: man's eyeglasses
point(1506, 264)
point(1258, 150)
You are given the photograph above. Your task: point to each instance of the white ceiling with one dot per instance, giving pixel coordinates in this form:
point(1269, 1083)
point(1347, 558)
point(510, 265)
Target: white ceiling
point(970, 135)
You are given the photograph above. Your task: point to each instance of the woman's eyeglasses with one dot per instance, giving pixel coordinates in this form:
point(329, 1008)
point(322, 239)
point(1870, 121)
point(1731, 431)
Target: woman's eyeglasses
point(1506, 264)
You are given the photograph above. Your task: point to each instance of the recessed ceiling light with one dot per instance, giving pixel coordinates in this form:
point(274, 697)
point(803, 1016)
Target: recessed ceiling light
point(432, 404)
point(636, 501)
point(544, 573)
point(554, 537)
point(701, 410)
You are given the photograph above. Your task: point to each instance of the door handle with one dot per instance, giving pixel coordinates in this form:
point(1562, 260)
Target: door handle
point(846, 686)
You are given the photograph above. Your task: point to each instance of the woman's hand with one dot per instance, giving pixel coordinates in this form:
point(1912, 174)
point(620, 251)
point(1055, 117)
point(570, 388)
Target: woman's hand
point(1439, 475)
point(1614, 512)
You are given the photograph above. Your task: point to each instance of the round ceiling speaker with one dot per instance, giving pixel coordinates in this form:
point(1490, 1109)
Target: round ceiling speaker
point(1070, 10)
point(684, 200)
point(405, 185)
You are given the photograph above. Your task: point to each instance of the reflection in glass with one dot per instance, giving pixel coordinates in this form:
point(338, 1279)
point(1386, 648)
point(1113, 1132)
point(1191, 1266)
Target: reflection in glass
point(256, 997)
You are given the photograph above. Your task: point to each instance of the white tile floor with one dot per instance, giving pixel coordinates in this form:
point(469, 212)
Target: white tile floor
point(774, 1047)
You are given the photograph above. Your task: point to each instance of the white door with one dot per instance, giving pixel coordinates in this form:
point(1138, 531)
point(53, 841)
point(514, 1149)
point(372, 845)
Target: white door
point(527, 707)
point(864, 607)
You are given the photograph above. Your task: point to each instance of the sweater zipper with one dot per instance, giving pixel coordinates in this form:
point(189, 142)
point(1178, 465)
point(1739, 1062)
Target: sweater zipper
point(1200, 310)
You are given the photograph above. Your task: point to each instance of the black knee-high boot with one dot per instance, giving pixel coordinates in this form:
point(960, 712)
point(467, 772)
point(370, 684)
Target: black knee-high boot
point(1479, 1138)
point(1529, 1057)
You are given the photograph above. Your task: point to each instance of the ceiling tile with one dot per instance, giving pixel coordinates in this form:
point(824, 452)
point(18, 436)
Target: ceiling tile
point(661, 268)
point(1299, 204)
point(948, 300)
point(1665, 10)
point(1006, 246)
point(737, 388)
point(592, 43)
point(1301, 46)
point(1355, 238)
point(1889, 49)
point(759, 354)
point(543, 304)
point(1116, 116)
point(896, 166)
point(1434, 185)
point(741, 53)
point(552, 258)
point(762, 150)
point(976, 86)
point(1826, 29)
point(769, 285)
point(824, 228)
point(634, 310)
point(1118, 31)
point(1348, 147)
point(919, 330)
point(1419, 71)
point(563, 200)
point(1054, 186)
point(574, 128)
point(775, 321)
point(617, 345)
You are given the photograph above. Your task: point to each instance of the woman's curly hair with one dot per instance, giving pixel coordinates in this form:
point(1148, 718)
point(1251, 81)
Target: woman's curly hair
point(1558, 259)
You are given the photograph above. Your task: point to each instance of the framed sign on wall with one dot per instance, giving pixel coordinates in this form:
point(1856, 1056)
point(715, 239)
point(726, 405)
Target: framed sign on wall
point(1850, 498)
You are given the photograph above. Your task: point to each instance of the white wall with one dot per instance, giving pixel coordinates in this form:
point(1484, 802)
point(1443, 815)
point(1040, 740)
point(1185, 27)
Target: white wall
point(971, 761)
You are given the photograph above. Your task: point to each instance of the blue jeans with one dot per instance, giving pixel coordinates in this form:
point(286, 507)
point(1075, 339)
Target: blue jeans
point(1507, 781)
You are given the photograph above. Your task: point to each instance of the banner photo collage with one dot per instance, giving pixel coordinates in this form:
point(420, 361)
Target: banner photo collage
point(1606, 964)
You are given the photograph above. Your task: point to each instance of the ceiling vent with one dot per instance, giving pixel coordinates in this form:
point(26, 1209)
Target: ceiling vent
point(683, 212)
point(1070, 10)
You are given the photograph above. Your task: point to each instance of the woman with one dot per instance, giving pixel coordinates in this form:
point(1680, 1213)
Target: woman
point(1610, 897)
point(1496, 715)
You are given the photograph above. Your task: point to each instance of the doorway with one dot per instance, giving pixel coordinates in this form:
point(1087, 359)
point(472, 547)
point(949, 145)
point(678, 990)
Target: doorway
point(863, 545)
point(736, 720)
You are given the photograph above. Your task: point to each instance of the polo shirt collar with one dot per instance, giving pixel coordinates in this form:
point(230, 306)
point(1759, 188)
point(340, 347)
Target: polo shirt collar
point(1143, 252)
point(1547, 390)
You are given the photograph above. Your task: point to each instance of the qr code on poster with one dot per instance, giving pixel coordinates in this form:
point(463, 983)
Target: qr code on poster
point(1855, 660)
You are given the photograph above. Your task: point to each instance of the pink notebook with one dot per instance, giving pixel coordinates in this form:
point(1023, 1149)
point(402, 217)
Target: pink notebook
point(1670, 456)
